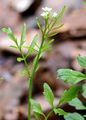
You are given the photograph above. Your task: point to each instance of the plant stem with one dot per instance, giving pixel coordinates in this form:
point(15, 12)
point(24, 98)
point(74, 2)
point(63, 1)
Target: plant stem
point(25, 62)
point(48, 115)
point(32, 77)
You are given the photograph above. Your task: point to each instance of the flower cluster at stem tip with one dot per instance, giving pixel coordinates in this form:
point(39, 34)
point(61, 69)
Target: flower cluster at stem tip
point(46, 13)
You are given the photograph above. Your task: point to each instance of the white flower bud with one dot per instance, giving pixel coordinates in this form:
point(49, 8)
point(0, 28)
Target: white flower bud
point(45, 14)
point(54, 14)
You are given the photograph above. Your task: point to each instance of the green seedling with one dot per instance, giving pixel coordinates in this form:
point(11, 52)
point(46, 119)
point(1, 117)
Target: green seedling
point(73, 77)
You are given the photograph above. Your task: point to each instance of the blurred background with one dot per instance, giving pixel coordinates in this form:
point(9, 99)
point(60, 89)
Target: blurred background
point(68, 44)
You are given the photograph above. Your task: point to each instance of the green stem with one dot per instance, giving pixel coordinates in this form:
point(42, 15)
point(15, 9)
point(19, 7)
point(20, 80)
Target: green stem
point(48, 115)
point(26, 65)
point(25, 62)
point(32, 77)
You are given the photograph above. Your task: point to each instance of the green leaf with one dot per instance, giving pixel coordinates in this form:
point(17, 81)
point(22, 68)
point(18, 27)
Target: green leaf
point(47, 45)
point(9, 32)
point(51, 34)
point(30, 51)
point(23, 35)
point(77, 104)
point(12, 46)
point(60, 15)
point(69, 94)
point(59, 111)
point(46, 48)
point(36, 107)
point(37, 116)
point(82, 61)
point(84, 90)
point(84, 116)
point(38, 22)
point(35, 40)
point(50, 41)
point(31, 48)
point(70, 76)
point(57, 27)
point(19, 59)
point(73, 116)
point(35, 62)
point(48, 94)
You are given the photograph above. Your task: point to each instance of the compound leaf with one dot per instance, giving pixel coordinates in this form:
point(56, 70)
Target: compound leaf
point(70, 76)
point(77, 104)
point(69, 94)
point(73, 116)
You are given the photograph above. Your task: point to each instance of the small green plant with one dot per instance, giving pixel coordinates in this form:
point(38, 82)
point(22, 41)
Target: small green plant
point(73, 77)
point(51, 23)
point(69, 96)
point(69, 76)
